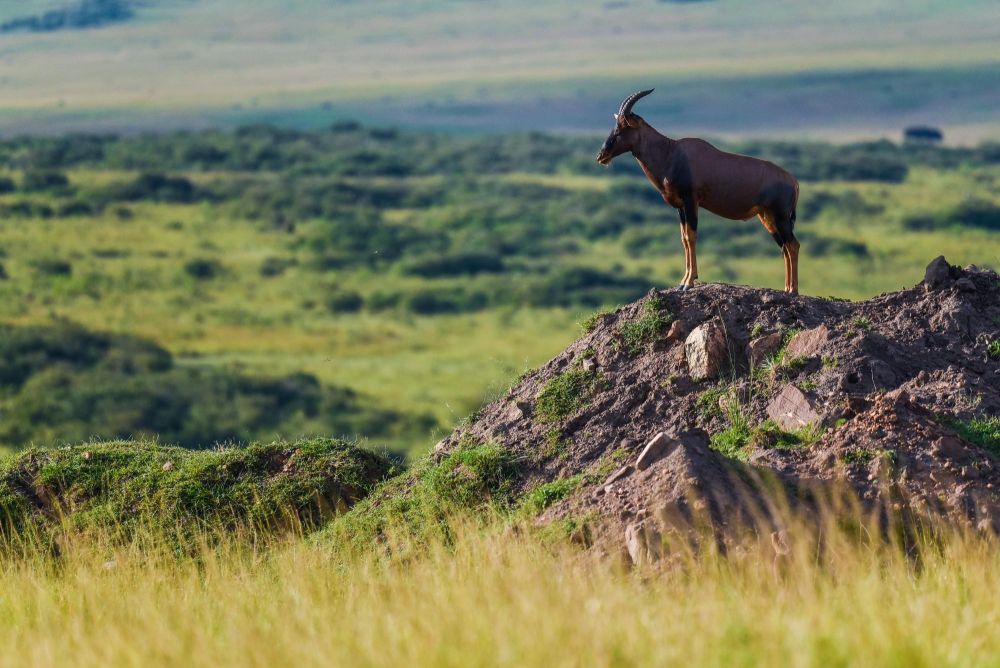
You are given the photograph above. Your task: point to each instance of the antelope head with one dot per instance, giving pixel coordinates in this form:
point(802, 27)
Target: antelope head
point(625, 135)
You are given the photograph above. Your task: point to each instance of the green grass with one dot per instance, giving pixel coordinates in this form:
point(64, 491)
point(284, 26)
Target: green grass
point(417, 506)
point(566, 393)
point(129, 486)
point(127, 276)
point(506, 598)
point(993, 350)
point(589, 324)
point(549, 493)
point(647, 328)
point(983, 431)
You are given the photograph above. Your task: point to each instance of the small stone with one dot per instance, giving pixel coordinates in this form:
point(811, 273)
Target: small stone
point(898, 397)
point(937, 274)
point(617, 475)
point(965, 285)
point(168, 466)
point(678, 330)
point(589, 364)
point(643, 543)
point(763, 347)
point(779, 542)
point(949, 447)
point(87, 455)
point(808, 343)
point(792, 409)
point(706, 351)
point(654, 450)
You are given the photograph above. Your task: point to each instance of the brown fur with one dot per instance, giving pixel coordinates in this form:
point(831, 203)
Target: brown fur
point(691, 174)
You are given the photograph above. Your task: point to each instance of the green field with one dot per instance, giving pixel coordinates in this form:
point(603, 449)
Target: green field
point(732, 67)
point(413, 276)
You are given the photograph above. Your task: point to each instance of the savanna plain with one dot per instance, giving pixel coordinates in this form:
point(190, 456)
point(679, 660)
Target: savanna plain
point(228, 287)
point(228, 347)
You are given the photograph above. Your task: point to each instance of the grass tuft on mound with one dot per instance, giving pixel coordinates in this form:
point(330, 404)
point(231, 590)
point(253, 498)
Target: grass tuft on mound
point(124, 486)
point(474, 482)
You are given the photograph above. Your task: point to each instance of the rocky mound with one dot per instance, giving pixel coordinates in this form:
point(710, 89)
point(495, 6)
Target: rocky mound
point(698, 403)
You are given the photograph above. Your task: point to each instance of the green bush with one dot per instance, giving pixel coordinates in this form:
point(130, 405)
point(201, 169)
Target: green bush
point(345, 302)
point(455, 264)
point(66, 384)
point(121, 486)
point(203, 269)
point(53, 267)
point(36, 181)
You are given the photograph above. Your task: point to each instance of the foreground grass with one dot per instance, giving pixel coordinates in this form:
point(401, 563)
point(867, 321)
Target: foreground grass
point(497, 598)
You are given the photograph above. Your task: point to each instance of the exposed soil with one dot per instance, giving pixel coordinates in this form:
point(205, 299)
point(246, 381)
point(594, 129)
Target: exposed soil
point(889, 379)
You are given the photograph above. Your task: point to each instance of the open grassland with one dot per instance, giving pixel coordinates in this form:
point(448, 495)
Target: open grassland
point(498, 598)
point(854, 68)
point(414, 274)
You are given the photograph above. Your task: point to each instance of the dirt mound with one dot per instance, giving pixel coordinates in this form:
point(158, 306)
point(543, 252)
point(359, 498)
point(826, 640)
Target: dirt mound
point(897, 395)
point(128, 486)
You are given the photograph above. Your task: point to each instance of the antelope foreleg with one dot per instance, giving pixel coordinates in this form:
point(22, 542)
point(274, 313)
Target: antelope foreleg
point(687, 256)
point(793, 258)
point(693, 243)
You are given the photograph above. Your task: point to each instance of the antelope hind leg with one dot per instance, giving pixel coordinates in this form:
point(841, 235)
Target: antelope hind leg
point(687, 260)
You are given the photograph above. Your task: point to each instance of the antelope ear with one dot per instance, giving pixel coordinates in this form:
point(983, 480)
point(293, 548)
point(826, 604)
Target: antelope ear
point(615, 116)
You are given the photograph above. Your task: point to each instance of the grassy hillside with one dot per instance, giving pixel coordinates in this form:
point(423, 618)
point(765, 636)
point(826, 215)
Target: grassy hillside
point(736, 66)
point(355, 281)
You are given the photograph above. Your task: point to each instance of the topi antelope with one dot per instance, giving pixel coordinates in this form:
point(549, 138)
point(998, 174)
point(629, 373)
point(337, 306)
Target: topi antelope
point(691, 173)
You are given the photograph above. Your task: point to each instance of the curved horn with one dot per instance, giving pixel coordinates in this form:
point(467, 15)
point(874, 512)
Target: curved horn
point(628, 102)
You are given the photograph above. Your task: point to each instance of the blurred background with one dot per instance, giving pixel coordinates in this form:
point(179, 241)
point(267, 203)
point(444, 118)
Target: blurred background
point(227, 221)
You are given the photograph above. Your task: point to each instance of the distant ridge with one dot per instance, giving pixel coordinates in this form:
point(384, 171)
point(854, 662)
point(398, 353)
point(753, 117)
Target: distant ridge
point(80, 15)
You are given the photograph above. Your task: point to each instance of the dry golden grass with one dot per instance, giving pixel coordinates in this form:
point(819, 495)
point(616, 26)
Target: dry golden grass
point(497, 598)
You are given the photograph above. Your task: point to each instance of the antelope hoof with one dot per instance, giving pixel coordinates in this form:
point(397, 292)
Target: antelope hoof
point(683, 286)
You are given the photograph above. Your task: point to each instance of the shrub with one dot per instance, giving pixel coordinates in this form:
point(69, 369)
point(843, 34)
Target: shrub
point(456, 264)
point(76, 208)
point(157, 188)
point(43, 180)
point(7, 185)
point(202, 269)
point(444, 300)
point(275, 266)
point(53, 267)
point(65, 384)
point(345, 302)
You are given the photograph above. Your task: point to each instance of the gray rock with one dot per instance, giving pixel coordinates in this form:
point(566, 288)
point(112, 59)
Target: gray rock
point(792, 409)
point(808, 343)
point(654, 450)
point(706, 351)
point(618, 475)
point(965, 285)
point(937, 274)
point(643, 543)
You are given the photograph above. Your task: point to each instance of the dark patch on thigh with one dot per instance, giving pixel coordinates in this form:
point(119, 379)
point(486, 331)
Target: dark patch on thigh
point(779, 200)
